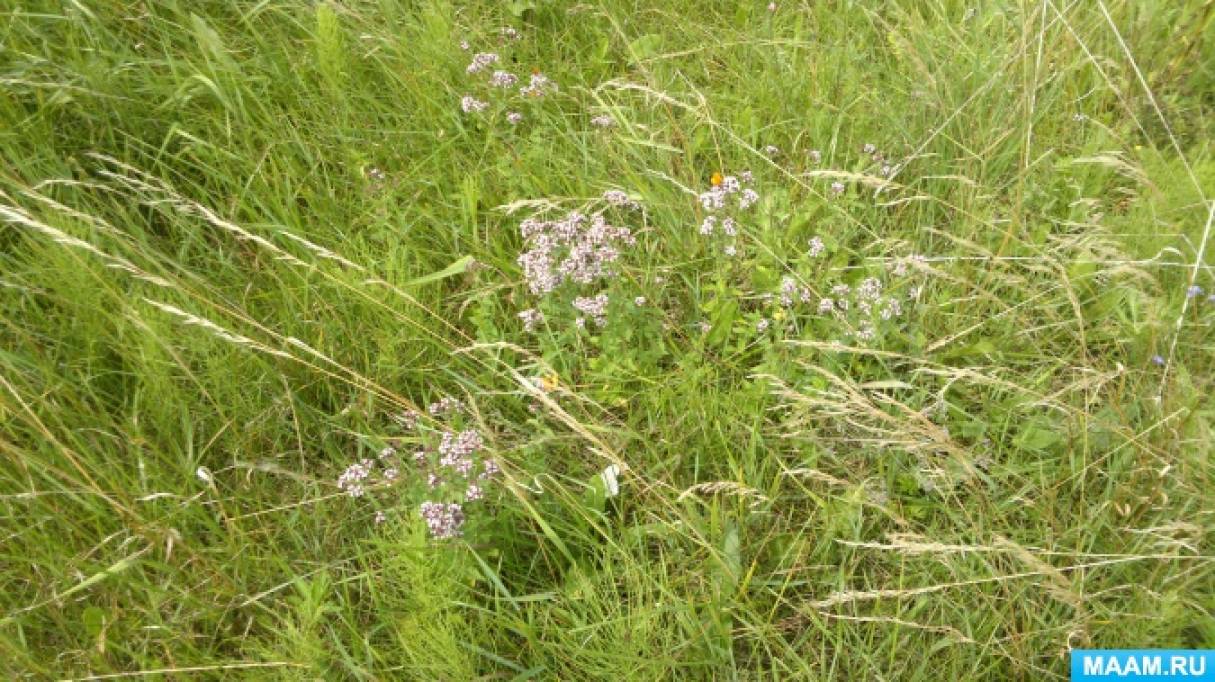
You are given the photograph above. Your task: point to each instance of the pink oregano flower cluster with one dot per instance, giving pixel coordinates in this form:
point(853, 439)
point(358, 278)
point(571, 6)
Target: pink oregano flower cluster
point(448, 469)
point(724, 203)
point(577, 249)
point(494, 82)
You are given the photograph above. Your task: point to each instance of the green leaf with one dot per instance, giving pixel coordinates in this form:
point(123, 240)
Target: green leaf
point(1038, 435)
point(645, 47)
point(731, 551)
point(459, 267)
point(93, 619)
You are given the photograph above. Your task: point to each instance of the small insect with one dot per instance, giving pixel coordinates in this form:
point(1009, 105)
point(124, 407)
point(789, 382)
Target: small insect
point(716, 179)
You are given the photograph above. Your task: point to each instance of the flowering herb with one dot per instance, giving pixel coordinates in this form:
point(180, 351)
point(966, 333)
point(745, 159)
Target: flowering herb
point(575, 249)
point(448, 471)
point(472, 105)
point(481, 61)
point(727, 197)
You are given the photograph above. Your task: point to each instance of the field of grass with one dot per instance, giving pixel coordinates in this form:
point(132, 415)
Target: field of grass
point(859, 340)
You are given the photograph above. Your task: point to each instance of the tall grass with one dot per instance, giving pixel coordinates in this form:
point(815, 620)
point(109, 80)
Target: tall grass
point(239, 238)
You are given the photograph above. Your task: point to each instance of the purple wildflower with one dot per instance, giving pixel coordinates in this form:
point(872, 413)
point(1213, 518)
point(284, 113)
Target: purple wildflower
point(532, 319)
point(503, 79)
point(816, 246)
point(443, 520)
point(593, 306)
point(482, 61)
point(470, 104)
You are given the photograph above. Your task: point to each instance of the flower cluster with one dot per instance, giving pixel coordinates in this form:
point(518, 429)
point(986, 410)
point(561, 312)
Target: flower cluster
point(885, 168)
point(791, 291)
point(538, 86)
point(532, 319)
point(576, 248)
point(863, 306)
point(594, 307)
point(816, 246)
point(500, 84)
point(470, 104)
point(443, 520)
point(449, 465)
point(353, 479)
point(445, 405)
point(481, 61)
point(456, 450)
point(620, 199)
point(503, 79)
point(727, 197)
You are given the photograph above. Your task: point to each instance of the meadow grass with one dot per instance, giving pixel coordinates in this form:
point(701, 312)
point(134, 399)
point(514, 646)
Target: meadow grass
point(240, 239)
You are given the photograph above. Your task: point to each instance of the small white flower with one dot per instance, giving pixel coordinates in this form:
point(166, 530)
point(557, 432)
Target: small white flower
point(639, 301)
point(514, 118)
point(538, 85)
point(747, 199)
point(481, 61)
point(503, 79)
point(730, 250)
point(816, 246)
point(616, 197)
point(470, 104)
point(713, 200)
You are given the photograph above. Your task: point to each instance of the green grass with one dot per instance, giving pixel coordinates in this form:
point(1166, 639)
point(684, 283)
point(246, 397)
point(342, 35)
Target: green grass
point(210, 305)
